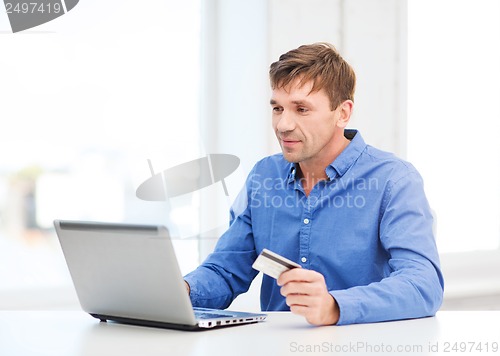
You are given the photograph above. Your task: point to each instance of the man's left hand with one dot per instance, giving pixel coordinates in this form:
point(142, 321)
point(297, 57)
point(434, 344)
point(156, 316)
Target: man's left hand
point(307, 295)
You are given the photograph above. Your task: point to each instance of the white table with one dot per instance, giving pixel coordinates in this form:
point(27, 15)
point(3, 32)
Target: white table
point(71, 333)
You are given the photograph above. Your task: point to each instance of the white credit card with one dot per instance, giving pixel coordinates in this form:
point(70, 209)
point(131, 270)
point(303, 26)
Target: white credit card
point(273, 264)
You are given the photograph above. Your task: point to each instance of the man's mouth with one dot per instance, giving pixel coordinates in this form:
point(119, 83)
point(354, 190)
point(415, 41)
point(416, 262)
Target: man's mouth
point(286, 142)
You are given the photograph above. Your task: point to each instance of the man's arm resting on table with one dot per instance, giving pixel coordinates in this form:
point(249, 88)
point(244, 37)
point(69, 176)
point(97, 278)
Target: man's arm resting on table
point(307, 295)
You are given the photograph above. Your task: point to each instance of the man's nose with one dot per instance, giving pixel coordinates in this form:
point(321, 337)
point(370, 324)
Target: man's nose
point(286, 122)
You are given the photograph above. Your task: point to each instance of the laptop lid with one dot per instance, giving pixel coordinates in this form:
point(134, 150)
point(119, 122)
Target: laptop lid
point(129, 273)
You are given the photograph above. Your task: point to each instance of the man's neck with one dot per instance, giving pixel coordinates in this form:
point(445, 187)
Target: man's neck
point(314, 170)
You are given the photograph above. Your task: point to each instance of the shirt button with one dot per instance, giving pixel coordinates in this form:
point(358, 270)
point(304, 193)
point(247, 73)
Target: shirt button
point(303, 259)
point(306, 221)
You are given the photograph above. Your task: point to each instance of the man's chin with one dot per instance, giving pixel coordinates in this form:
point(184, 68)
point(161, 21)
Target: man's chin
point(290, 157)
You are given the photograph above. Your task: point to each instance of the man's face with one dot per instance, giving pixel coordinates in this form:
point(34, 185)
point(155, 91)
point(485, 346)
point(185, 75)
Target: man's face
point(304, 123)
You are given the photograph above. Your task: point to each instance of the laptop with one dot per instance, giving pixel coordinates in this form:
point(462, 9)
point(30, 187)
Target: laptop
point(129, 274)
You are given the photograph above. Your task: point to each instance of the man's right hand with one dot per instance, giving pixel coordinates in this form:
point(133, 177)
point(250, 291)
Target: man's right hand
point(187, 287)
point(307, 295)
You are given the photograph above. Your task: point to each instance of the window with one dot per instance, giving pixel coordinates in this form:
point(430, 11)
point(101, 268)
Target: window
point(86, 99)
point(454, 117)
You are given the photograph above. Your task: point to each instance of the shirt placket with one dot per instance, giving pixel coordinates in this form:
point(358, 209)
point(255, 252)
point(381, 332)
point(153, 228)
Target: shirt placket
point(307, 219)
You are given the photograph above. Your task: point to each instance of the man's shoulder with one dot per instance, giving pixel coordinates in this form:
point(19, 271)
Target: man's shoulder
point(272, 166)
point(394, 166)
point(374, 160)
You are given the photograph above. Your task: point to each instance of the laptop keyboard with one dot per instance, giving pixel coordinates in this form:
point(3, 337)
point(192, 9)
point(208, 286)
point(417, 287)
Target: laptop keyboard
point(205, 315)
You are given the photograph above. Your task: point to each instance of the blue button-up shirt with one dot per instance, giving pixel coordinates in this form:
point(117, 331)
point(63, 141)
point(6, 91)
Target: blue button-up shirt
point(367, 229)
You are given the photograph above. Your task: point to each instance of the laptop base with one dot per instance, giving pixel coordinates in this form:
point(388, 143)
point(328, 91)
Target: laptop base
point(159, 324)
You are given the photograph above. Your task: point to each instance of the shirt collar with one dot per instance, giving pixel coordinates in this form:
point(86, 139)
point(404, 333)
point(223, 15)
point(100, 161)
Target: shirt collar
point(343, 162)
point(349, 155)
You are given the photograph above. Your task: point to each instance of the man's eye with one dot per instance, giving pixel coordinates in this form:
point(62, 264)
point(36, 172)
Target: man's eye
point(277, 109)
point(302, 110)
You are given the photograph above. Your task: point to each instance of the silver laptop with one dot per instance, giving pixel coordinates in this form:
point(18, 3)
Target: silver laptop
point(129, 274)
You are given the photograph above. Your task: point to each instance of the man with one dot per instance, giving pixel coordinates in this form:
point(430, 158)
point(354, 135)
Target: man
point(355, 218)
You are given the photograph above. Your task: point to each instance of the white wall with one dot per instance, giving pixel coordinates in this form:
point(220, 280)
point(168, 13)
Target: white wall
point(234, 109)
point(371, 36)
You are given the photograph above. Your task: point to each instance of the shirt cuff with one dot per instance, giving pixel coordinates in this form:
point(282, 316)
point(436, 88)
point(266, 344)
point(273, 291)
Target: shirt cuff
point(214, 297)
point(193, 292)
point(349, 307)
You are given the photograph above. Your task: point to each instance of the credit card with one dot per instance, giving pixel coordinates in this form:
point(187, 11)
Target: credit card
point(272, 264)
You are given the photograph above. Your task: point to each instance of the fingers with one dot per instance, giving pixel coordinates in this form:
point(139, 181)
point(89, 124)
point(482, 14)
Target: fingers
point(311, 296)
point(325, 313)
point(300, 275)
point(303, 300)
point(301, 281)
point(302, 287)
point(306, 294)
point(318, 310)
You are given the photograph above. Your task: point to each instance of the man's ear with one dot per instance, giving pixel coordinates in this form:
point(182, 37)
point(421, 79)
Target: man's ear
point(344, 112)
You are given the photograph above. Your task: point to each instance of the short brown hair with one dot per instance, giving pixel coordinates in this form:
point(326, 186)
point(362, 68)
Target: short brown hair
point(321, 63)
